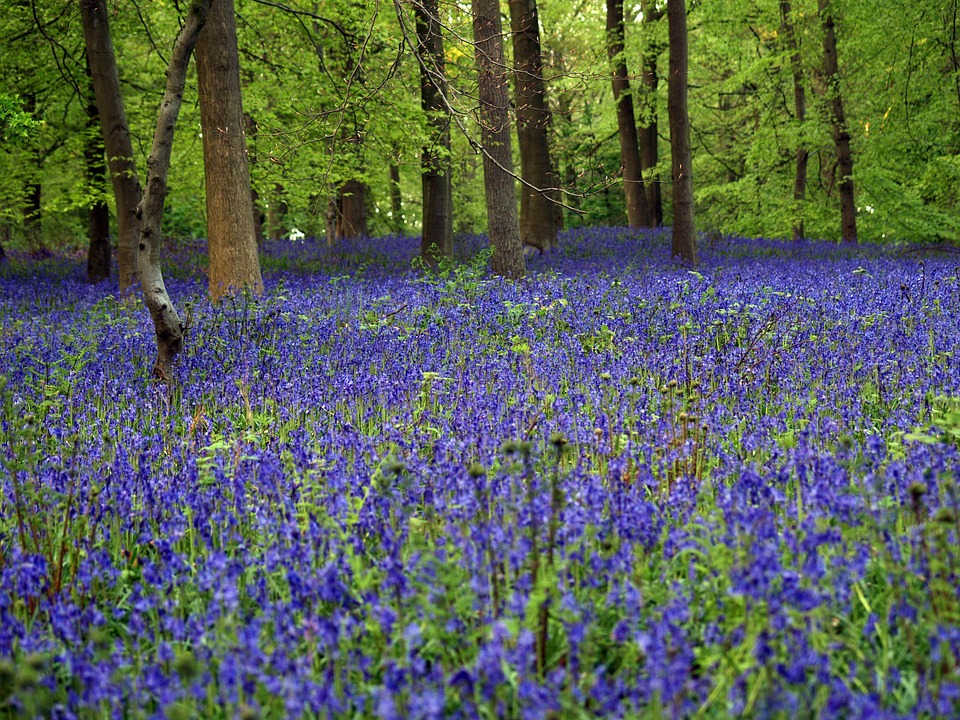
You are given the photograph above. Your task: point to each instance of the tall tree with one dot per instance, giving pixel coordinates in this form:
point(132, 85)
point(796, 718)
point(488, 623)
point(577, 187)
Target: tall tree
point(498, 179)
point(166, 320)
point(538, 219)
point(32, 208)
point(98, 226)
point(684, 244)
point(800, 108)
point(231, 235)
point(838, 123)
point(437, 187)
point(352, 205)
point(397, 225)
point(648, 125)
point(116, 134)
point(638, 212)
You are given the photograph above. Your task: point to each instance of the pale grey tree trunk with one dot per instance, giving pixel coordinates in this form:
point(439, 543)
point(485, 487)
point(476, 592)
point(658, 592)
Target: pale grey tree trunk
point(166, 321)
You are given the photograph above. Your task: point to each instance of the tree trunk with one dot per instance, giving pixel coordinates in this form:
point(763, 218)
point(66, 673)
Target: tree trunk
point(397, 225)
point(538, 226)
point(352, 209)
point(251, 129)
point(647, 130)
point(231, 237)
point(498, 180)
point(116, 135)
point(166, 321)
point(800, 105)
point(638, 213)
point(98, 228)
point(32, 208)
point(838, 123)
point(276, 213)
point(684, 244)
point(437, 239)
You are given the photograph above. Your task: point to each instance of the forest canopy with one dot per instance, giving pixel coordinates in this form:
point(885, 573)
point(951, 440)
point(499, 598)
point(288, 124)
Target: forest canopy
point(331, 96)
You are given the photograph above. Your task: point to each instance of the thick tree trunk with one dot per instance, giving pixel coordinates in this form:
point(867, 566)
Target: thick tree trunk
point(166, 321)
point(800, 106)
point(231, 237)
point(498, 180)
point(638, 213)
point(684, 244)
point(838, 123)
point(352, 210)
point(538, 226)
point(98, 228)
point(116, 135)
point(437, 238)
point(647, 129)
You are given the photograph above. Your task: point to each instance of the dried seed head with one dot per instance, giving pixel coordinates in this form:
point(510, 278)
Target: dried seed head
point(558, 440)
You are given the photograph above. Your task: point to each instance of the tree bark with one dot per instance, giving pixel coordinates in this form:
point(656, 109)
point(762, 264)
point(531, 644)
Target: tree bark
point(32, 208)
point(352, 209)
point(397, 226)
point(838, 123)
point(116, 135)
point(648, 127)
point(231, 237)
point(166, 321)
point(498, 181)
point(800, 107)
point(538, 226)
point(250, 126)
point(684, 244)
point(437, 239)
point(638, 213)
point(98, 226)
point(277, 213)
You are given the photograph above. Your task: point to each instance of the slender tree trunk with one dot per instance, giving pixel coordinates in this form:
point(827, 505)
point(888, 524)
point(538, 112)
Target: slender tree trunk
point(277, 213)
point(352, 209)
point(684, 244)
point(498, 180)
point(647, 130)
point(32, 208)
point(800, 106)
point(838, 123)
point(437, 239)
point(166, 321)
point(98, 228)
point(232, 240)
point(638, 213)
point(251, 129)
point(397, 226)
point(116, 135)
point(538, 226)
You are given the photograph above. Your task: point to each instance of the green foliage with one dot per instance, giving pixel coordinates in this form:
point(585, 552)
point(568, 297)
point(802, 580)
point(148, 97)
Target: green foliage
point(15, 124)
